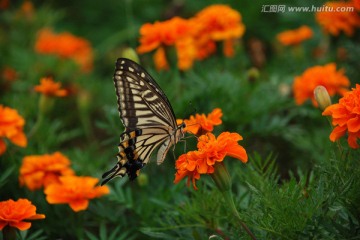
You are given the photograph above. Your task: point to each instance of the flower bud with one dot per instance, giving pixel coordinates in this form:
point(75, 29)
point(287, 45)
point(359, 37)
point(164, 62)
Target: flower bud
point(143, 180)
point(322, 97)
point(131, 54)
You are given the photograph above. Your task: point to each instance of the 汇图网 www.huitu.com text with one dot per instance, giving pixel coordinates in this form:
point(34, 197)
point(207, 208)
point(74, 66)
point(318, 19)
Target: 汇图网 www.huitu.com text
point(312, 8)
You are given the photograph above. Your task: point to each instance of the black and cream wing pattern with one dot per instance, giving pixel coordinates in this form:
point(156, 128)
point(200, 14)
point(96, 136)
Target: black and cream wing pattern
point(147, 116)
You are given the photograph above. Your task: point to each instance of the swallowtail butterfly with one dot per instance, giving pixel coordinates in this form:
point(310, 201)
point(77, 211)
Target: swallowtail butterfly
point(148, 117)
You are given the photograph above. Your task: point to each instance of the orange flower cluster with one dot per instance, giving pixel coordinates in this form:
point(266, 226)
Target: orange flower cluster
point(334, 81)
point(173, 32)
point(210, 151)
point(295, 37)
point(14, 214)
point(50, 88)
point(11, 127)
point(192, 38)
point(346, 117)
point(333, 22)
point(201, 124)
point(217, 23)
point(76, 191)
point(66, 45)
point(53, 172)
point(37, 171)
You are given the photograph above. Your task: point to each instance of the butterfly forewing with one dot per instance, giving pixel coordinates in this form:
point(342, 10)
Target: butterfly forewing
point(148, 117)
point(140, 99)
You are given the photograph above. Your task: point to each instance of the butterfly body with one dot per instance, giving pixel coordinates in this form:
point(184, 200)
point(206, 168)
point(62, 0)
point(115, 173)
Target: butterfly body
point(148, 118)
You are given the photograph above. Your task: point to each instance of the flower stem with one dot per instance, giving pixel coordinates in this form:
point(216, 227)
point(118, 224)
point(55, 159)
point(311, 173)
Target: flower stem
point(9, 233)
point(222, 180)
point(229, 200)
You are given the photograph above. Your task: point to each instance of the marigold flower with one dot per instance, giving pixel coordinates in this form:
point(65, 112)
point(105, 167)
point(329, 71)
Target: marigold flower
point(211, 150)
point(210, 26)
point(162, 33)
point(295, 37)
point(14, 214)
point(75, 191)
point(172, 32)
point(37, 171)
point(333, 22)
point(346, 117)
point(66, 45)
point(50, 88)
point(201, 124)
point(11, 127)
point(334, 81)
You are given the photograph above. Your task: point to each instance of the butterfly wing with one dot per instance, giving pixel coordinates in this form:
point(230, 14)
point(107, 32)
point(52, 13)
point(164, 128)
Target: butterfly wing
point(141, 101)
point(148, 118)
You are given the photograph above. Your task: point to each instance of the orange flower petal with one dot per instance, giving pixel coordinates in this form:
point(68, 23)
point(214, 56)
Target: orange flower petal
point(79, 205)
point(21, 225)
point(337, 133)
point(354, 124)
point(19, 139)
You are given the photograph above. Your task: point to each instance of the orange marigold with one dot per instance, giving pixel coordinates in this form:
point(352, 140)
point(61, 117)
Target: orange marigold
point(37, 171)
point(11, 127)
point(75, 191)
point(210, 151)
point(346, 117)
point(295, 37)
point(66, 45)
point(14, 214)
point(334, 81)
point(210, 26)
point(50, 88)
point(339, 19)
point(201, 124)
point(172, 32)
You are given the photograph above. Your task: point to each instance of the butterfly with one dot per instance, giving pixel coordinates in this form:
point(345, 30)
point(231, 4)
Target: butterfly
point(148, 118)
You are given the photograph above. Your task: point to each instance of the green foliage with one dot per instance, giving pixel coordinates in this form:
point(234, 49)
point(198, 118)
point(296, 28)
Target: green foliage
point(296, 185)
